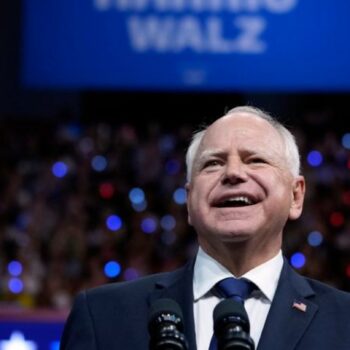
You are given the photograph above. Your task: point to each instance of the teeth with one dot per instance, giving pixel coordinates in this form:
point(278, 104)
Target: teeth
point(245, 200)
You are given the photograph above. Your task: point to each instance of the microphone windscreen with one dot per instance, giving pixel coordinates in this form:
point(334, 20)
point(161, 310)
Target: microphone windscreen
point(164, 306)
point(165, 326)
point(165, 311)
point(230, 310)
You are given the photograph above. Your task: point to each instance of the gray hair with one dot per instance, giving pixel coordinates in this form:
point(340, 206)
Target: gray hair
point(291, 148)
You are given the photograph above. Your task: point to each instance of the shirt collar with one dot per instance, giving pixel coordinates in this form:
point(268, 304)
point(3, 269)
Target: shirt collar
point(207, 272)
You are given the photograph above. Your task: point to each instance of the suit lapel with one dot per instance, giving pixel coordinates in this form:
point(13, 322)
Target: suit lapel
point(179, 287)
point(290, 314)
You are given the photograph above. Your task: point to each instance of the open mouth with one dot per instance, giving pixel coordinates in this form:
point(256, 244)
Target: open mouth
point(234, 202)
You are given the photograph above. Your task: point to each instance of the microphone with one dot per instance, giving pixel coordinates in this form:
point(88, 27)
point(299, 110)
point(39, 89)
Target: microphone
point(165, 326)
point(231, 326)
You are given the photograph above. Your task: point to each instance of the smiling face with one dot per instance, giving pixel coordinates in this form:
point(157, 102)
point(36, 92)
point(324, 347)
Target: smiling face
point(241, 188)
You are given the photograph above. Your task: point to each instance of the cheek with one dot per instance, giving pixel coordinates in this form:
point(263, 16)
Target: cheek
point(194, 201)
point(281, 191)
point(283, 195)
point(273, 183)
point(197, 199)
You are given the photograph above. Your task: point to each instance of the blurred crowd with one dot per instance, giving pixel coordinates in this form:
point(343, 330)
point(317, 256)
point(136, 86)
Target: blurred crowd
point(84, 204)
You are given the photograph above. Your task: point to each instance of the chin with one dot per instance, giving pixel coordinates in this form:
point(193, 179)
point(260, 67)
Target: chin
point(235, 237)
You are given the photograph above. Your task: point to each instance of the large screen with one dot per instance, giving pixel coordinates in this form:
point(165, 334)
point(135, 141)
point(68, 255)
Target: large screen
point(240, 45)
point(30, 335)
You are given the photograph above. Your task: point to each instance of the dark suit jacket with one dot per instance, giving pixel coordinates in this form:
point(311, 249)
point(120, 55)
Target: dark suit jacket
point(115, 316)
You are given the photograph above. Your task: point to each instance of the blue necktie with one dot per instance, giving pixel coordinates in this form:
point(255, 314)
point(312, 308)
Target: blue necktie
point(237, 289)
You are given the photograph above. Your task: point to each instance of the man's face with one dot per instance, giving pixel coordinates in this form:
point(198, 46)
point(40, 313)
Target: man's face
point(241, 187)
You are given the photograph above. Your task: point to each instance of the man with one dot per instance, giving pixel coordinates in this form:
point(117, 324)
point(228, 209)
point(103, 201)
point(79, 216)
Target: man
point(243, 186)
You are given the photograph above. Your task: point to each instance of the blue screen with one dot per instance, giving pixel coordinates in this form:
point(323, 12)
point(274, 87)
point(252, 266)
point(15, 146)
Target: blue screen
point(241, 45)
point(30, 335)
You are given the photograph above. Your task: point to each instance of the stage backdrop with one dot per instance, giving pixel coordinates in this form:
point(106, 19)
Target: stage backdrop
point(30, 329)
point(243, 45)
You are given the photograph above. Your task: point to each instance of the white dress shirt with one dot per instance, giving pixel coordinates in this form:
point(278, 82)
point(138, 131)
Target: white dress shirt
point(207, 272)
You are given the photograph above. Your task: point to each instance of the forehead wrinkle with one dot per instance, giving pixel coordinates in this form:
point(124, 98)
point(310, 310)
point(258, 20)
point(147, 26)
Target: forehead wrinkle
point(264, 145)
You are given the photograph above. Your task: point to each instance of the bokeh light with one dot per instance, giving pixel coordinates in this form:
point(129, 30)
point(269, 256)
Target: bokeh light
point(114, 222)
point(139, 207)
point(99, 163)
point(346, 140)
point(149, 225)
point(315, 158)
point(131, 274)
point(14, 268)
point(106, 190)
point(167, 222)
point(15, 285)
point(136, 195)
point(315, 238)
point(180, 196)
point(112, 269)
point(298, 260)
point(59, 169)
point(336, 219)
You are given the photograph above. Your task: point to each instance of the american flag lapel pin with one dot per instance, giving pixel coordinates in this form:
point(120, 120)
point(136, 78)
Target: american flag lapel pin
point(299, 306)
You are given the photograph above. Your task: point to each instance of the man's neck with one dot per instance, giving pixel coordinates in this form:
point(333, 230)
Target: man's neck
point(239, 257)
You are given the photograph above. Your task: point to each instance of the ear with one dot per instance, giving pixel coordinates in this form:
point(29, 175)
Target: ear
point(298, 194)
point(188, 190)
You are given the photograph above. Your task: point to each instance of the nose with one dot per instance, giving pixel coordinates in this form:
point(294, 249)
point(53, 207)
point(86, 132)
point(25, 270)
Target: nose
point(235, 171)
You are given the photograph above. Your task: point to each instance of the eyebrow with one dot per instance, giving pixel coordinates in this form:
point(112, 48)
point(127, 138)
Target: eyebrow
point(210, 153)
point(220, 153)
